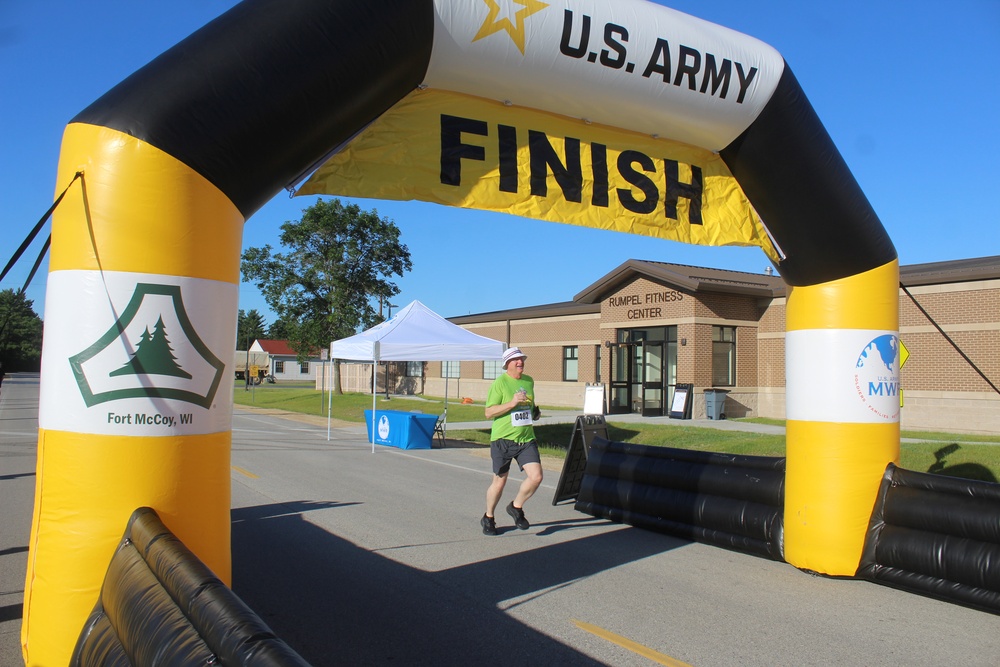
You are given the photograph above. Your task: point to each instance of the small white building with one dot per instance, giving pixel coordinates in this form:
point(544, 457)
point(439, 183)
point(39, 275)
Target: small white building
point(283, 361)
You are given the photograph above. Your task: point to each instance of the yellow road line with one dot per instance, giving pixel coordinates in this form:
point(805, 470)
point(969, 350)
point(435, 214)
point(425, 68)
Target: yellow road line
point(630, 645)
point(246, 473)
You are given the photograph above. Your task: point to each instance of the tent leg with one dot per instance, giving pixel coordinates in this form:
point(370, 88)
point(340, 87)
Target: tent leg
point(444, 426)
point(329, 402)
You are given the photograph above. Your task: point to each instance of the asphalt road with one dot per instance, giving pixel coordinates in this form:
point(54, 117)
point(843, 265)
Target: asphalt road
point(361, 558)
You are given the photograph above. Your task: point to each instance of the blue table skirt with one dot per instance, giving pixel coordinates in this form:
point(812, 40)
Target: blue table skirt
point(405, 430)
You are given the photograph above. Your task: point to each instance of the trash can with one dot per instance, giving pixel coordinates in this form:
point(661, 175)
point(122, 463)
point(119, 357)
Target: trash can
point(715, 403)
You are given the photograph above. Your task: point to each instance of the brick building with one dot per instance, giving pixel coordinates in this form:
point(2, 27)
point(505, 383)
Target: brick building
point(646, 327)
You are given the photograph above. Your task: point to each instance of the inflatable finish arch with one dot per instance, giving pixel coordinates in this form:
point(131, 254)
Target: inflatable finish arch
point(624, 115)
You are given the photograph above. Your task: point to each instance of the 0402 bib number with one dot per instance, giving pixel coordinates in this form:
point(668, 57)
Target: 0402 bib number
point(520, 418)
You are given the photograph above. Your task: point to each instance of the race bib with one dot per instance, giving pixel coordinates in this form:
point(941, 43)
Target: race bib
point(521, 417)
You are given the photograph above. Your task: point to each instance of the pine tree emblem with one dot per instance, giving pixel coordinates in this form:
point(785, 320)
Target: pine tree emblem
point(153, 356)
point(196, 377)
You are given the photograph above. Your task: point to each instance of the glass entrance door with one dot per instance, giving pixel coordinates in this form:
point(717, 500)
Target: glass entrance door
point(637, 379)
point(621, 379)
point(650, 356)
point(643, 370)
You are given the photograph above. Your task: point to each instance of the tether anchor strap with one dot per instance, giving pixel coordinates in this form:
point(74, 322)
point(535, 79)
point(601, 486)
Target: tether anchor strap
point(33, 233)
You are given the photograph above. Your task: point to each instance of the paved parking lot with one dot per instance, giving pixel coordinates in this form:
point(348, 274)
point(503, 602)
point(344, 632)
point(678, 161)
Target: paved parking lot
point(355, 557)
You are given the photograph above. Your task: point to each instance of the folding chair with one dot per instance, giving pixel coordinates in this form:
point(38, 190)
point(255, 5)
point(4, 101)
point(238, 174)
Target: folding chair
point(439, 429)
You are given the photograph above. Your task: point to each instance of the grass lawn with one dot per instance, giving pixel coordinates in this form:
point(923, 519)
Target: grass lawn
point(348, 407)
point(958, 455)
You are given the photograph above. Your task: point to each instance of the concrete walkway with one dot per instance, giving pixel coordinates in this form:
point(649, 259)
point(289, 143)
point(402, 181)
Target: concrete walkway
point(721, 424)
point(569, 417)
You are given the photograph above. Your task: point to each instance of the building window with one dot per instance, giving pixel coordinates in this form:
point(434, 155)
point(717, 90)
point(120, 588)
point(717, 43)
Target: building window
point(597, 363)
point(279, 366)
point(723, 356)
point(451, 369)
point(414, 369)
point(571, 363)
point(492, 369)
point(304, 368)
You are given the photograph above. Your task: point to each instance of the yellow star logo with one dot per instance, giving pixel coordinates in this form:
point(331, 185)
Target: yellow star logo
point(515, 29)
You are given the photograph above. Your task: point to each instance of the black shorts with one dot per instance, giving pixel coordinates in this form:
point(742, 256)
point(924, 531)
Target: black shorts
point(503, 451)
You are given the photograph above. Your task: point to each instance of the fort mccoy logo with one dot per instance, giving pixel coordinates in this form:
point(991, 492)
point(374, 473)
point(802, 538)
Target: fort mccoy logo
point(151, 351)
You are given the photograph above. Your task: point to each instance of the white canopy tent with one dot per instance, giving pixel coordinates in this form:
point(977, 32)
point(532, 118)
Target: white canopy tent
point(416, 333)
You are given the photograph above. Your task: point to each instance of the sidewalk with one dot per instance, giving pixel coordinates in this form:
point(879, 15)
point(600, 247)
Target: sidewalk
point(569, 417)
point(548, 417)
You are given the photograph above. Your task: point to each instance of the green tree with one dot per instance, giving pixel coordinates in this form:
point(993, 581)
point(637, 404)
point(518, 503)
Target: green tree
point(338, 267)
point(153, 355)
point(281, 330)
point(249, 327)
point(20, 332)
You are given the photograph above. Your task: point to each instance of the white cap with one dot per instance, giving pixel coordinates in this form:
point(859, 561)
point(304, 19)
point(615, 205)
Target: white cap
point(512, 353)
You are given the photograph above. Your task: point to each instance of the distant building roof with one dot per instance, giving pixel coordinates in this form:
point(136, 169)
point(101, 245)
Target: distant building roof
point(276, 347)
point(703, 279)
point(544, 310)
point(953, 271)
point(693, 278)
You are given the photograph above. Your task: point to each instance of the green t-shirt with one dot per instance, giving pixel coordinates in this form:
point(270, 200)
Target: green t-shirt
point(516, 424)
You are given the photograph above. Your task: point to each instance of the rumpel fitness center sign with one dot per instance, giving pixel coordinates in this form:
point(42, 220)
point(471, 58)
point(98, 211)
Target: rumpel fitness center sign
point(639, 306)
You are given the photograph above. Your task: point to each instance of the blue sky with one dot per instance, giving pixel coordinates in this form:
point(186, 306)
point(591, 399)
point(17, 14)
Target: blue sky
point(909, 92)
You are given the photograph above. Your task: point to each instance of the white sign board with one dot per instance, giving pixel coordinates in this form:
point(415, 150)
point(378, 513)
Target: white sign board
point(593, 400)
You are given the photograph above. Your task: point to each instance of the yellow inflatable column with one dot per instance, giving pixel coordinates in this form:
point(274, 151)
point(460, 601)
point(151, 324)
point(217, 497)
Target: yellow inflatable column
point(842, 384)
point(136, 384)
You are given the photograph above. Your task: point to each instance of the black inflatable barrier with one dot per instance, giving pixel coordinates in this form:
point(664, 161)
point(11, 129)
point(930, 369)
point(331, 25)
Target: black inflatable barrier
point(725, 500)
point(160, 605)
point(936, 535)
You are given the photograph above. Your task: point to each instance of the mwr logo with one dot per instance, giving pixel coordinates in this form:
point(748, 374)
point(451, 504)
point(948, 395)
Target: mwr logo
point(383, 427)
point(151, 351)
point(876, 377)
